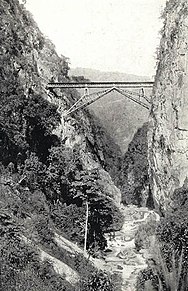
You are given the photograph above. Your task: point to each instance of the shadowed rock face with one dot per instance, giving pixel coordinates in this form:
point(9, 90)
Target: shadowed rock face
point(133, 175)
point(168, 136)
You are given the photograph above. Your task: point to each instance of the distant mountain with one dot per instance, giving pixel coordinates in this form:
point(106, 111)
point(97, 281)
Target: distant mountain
point(97, 75)
point(120, 116)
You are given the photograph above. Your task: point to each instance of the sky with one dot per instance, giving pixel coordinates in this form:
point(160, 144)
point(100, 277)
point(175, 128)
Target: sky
point(109, 35)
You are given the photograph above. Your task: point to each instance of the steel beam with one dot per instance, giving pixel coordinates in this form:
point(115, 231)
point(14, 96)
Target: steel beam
point(95, 85)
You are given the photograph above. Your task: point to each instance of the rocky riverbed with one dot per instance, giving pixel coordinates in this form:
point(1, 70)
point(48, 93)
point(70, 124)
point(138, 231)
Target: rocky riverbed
point(121, 255)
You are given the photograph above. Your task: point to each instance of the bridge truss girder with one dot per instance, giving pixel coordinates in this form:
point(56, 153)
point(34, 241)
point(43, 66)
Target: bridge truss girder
point(88, 98)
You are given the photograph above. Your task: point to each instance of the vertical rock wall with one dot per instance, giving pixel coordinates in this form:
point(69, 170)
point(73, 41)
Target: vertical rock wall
point(168, 135)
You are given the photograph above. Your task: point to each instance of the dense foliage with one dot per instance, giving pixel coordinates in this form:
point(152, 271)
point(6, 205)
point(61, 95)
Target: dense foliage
point(168, 265)
point(39, 170)
point(97, 281)
point(26, 124)
point(20, 266)
point(27, 213)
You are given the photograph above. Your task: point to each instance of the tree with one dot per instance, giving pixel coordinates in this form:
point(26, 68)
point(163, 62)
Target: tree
point(87, 190)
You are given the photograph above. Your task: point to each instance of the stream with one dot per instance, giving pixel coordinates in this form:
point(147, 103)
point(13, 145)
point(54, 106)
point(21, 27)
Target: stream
point(121, 257)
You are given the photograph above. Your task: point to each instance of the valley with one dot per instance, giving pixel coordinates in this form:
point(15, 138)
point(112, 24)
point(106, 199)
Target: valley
point(130, 117)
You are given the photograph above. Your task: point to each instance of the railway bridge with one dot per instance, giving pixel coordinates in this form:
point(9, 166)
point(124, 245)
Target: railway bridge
point(134, 91)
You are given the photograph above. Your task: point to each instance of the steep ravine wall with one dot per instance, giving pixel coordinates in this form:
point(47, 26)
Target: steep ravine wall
point(133, 177)
point(168, 135)
point(28, 62)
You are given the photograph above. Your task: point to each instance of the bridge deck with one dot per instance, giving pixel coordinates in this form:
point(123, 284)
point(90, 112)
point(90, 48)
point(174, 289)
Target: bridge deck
point(100, 85)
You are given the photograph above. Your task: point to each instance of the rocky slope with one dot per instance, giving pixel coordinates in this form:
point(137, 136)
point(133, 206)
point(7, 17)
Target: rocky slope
point(168, 137)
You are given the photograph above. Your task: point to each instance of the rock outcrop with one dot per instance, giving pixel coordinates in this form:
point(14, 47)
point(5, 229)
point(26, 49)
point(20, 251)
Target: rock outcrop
point(168, 136)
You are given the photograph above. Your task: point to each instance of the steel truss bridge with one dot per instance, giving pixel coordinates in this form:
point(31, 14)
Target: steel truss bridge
point(134, 91)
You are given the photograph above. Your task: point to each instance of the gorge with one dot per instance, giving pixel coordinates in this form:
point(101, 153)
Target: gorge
point(85, 206)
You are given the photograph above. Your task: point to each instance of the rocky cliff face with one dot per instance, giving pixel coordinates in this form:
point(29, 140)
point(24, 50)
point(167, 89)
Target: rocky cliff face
point(168, 136)
point(133, 177)
point(28, 62)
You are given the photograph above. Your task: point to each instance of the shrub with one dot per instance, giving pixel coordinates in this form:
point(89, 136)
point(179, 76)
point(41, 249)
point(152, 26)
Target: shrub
point(169, 254)
point(20, 266)
point(162, 276)
point(33, 173)
point(147, 281)
point(70, 220)
point(144, 234)
point(97, 281)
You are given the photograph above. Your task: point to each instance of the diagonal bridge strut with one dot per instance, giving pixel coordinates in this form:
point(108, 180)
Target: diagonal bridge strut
point(120, 87)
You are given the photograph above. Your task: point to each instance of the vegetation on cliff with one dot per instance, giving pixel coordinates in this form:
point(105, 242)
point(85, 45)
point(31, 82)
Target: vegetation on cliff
point(167, 243)
point(168, 160)
point(44, 183)
point(168, 118)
